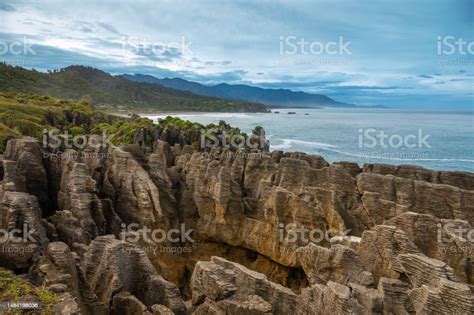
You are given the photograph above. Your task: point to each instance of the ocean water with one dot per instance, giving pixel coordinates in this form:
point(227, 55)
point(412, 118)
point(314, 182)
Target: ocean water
point(432, 139)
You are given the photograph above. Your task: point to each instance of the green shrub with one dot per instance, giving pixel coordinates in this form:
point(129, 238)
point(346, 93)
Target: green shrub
point(14, 288)
point(76, 131)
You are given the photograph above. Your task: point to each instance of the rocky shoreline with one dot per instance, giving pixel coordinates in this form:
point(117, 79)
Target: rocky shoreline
point(382, 239)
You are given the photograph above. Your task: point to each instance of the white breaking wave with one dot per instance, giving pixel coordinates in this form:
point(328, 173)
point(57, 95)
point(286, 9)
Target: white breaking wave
point(190, 116)
point(288, 144)
point(226, 115)
point(164, 115)
point(368, 156)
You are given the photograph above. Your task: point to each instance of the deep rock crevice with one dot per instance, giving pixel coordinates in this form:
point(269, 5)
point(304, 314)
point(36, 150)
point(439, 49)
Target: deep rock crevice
point(380, 251)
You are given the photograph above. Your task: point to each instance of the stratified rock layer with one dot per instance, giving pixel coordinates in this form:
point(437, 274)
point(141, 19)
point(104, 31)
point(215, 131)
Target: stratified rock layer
point(269, 233)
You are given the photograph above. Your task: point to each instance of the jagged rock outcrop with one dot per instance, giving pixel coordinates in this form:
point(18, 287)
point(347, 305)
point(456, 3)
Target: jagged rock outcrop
point(23, 236)
point(133, 194)
point(220, 286)
point(112, 274)
point(439, 239)
point(28, 153)
point(294, 234)
point(59, 271)
point(338, 264)
point(461, 180)
point(386, 196)
point(81, 217)
point(11, 179)
point(220, 283)
point(112, 266)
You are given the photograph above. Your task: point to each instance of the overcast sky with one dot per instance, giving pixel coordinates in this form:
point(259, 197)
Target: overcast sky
point(394, 53)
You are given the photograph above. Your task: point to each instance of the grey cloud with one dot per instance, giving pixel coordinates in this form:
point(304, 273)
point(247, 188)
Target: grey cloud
point(218, 63)
point(162, 53)
point(86, 28)
point(459, 80)
point(108, 27)
point(300, 85)
point(7, 7)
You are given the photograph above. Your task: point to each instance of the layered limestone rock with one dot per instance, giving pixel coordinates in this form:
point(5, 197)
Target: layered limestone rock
point(59, 271)
point(112, 266)
point(438, 238)
point(259, 204)
point(28, 153)
point(81, 216)
point(338, 264)
point(11, 179)
point(23, 236)
point(113, 277)
point(461, 180)
point(295, 234)
point(134, 196)
point(220, 283)
point(386, 196)
point(220, 286)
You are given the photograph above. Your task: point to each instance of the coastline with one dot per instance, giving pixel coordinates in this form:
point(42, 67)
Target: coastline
point(334, 134)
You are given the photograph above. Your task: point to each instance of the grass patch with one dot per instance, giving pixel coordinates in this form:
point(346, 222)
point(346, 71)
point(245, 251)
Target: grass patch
point(16, 289)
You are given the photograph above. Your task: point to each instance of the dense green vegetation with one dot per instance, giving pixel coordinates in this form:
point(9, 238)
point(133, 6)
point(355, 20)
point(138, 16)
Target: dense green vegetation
point(113, 92)
point(31, 115)
point(123, 131)
point(15, 289)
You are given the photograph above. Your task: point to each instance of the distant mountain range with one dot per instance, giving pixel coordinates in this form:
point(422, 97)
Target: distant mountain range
point(269, 97)
point(113, 92)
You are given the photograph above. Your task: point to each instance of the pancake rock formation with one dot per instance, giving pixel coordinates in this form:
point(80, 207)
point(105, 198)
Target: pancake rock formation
point(178, 230)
